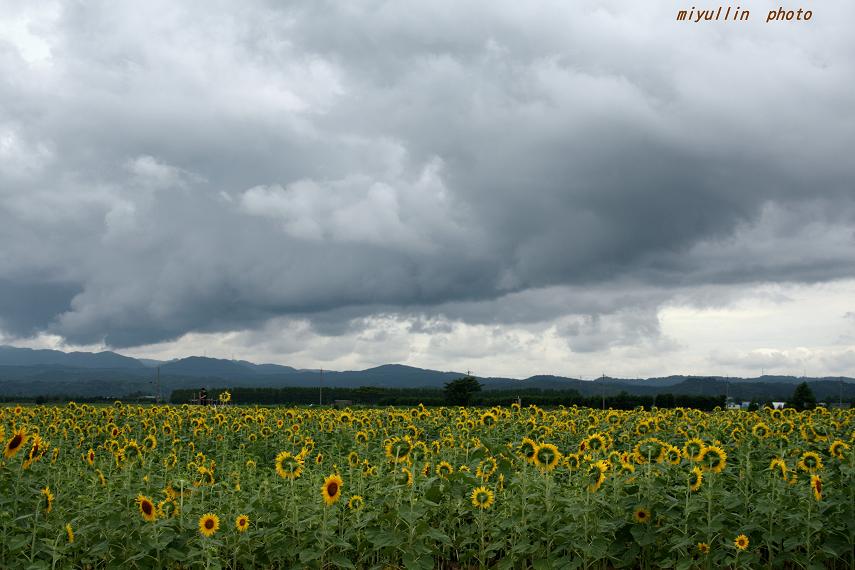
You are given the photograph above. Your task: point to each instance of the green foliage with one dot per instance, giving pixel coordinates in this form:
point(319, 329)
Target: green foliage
point(803, 398)
point(541, 517)
point(459, 392)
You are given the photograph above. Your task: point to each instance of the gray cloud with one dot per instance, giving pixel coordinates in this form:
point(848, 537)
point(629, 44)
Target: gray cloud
point(170, 168)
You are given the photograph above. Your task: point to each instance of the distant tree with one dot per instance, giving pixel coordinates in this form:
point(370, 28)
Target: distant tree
point(802, 398)
point(459, 392)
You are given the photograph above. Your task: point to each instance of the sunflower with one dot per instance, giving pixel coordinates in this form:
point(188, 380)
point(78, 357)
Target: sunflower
point(46, 493)
point(694, 449)
point(147, 509)
point(482, 497)
point(150, 442)
point(672, 455)
point(15, 443)
point(488, 419)
point(353, 459)
point(572, 461)
point(405, 477)
point(596, 475)
point(331, 489)
point(206, 477)
point(596, 442)
point(641, 515)
point(486, 468)
point(760, 430)
point(696, 479)
point(288, 466)
point(168, 508)
point(547, 457)
point(355, 502)
point(225, 397)
point(741, 542)
point(36, 452)
point(209, 523)
point(242, 523)
point(528, 449)
point(778, 465)
point(444, 469)
point(397, 450)
point(649, 449)
point(714, 459)
point(90, 456)
point(703, 548)
point(838, 449)
point(816, 486)
point(810, 462)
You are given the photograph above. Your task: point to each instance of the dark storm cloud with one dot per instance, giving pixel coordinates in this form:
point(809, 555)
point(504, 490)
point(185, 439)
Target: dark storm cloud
point(173, 168)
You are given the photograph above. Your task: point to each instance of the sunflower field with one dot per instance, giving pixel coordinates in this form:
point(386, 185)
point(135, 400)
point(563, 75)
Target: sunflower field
point(133, 486)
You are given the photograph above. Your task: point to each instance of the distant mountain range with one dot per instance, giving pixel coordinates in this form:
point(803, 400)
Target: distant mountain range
point(26, 372)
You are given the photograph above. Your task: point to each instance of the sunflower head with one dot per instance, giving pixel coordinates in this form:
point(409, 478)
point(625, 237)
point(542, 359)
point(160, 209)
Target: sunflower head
point(242, 523)
point(572, 461)
point(810, 462)
point(777, 465)
point(209, 523)
point(760, 430)
point(714, 459)
point(482, 497)
point(15, 443)
point(596, 475)
point(48, 498)
point(397, 450)
point(641, 515)
point(838, 449)
point(486, 468)
point(404, 477)
point(288, 466)
point(696, 479)
point(147, 509)
point(528, 449)
point(331, 489)
point(444, 469)
point(547, 457)
point(355, 503)
point(703, 548)
point(816, 486)
point(694, 449)
point(353, 459)
point(741, 542)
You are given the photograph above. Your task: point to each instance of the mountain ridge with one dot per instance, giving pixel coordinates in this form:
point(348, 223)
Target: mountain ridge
point(28, 372)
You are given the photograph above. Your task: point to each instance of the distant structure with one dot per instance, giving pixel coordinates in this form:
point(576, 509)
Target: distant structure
point(203, 397)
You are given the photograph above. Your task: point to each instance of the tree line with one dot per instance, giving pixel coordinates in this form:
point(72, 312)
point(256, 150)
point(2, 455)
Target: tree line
point(459, 392)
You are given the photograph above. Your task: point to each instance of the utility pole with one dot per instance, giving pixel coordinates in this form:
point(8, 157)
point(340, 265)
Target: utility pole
point(321, 389)
point(157, 383)
point(603, 389)
point(726, 391)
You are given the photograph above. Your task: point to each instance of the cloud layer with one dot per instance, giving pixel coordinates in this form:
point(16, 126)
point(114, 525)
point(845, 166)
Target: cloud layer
point(464, 179)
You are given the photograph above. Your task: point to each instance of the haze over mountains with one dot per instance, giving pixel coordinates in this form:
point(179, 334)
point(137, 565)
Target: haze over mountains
point(26, 372)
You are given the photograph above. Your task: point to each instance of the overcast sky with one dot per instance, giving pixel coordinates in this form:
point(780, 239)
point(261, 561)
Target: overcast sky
point(570, 187)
